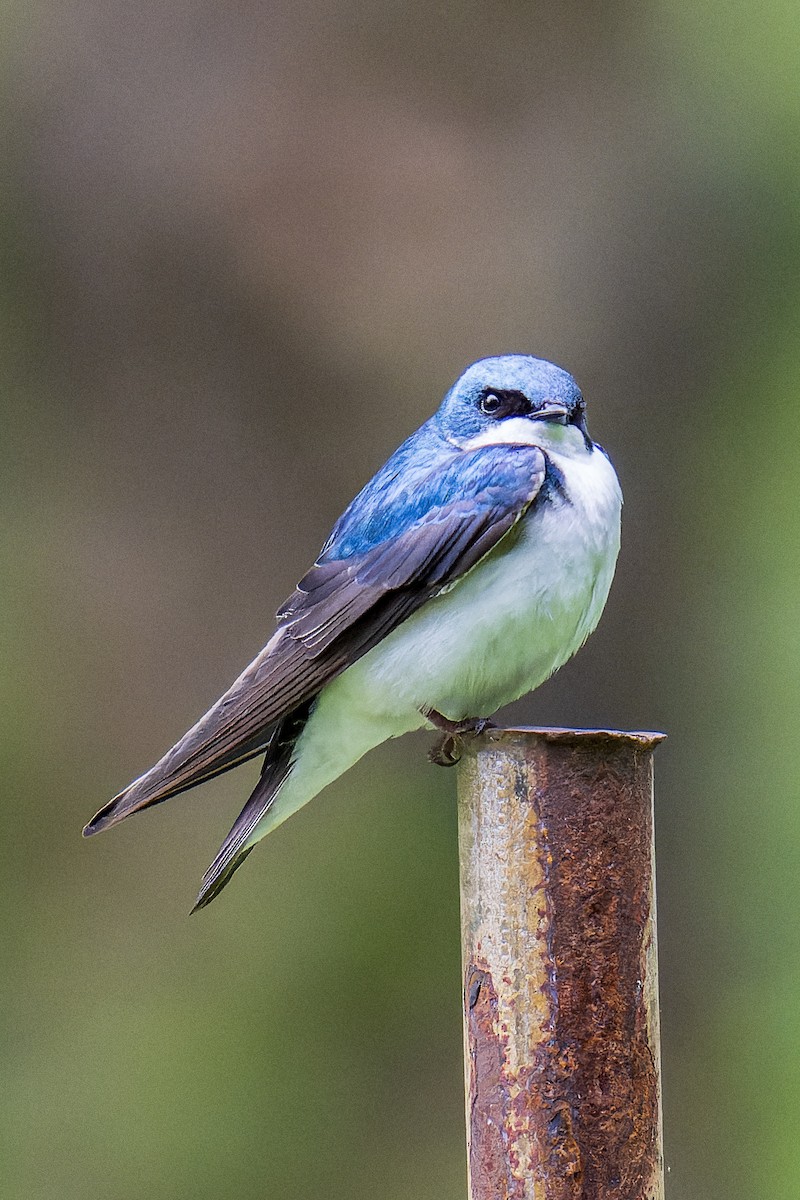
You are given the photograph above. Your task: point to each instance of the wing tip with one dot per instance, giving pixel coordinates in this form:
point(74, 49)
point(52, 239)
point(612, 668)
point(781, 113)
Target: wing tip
point(123, 805)
point(103, 817)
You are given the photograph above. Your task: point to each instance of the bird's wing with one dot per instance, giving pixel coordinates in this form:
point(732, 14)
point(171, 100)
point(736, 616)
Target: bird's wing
point(346, 605)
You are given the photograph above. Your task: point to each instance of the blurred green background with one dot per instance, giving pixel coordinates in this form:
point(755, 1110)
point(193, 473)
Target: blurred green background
point(245, 249)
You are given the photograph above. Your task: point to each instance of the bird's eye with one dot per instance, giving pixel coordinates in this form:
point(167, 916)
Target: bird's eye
point(490, 404)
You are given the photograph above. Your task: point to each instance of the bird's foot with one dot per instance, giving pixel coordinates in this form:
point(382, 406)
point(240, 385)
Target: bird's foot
point(447, 749)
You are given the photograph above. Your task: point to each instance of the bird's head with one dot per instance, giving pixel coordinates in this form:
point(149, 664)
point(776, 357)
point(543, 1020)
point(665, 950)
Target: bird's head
point(515, 400)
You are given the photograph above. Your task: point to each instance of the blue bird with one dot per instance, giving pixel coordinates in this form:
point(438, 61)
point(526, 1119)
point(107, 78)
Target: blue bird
point(468, 570)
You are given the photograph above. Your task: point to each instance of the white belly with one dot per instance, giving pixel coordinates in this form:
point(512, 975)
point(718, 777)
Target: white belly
point(498, 633)
point(512, 621)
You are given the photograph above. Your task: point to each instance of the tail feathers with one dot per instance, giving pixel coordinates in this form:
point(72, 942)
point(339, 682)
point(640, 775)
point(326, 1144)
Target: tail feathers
point(234, 849)
point(274, 773)
point(215, 880)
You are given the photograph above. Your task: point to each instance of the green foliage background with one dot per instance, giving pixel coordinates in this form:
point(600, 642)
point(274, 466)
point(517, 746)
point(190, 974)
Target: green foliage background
point(245, 249)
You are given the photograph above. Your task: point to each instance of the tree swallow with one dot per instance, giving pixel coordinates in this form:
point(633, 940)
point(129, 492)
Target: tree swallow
point(467, 571)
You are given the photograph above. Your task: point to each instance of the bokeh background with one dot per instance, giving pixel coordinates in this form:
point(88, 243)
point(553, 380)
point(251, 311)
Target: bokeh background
point(245, 249)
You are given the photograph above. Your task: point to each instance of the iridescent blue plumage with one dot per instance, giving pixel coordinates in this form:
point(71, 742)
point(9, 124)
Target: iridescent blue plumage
point(490, 476)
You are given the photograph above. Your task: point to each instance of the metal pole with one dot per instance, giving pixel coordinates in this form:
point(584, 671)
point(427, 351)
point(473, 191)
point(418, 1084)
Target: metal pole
point(558, 923)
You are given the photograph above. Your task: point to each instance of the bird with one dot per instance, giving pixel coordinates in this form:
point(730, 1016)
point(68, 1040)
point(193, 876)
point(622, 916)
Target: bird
point(472, 566)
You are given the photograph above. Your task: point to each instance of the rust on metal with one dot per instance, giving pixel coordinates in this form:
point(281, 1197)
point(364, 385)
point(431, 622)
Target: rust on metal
point(561, 1015)
point(488, 1091)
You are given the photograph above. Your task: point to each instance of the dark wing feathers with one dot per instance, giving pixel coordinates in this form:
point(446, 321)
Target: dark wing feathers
point(343, 607)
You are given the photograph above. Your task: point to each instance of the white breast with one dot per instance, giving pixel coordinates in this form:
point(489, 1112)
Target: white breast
point(513, 620)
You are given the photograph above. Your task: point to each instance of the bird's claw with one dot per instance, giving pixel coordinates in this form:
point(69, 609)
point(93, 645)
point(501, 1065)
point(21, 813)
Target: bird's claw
point(447, 750)
point(477, 726)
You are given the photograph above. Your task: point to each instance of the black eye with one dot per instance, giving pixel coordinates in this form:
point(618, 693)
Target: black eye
point(490, 404)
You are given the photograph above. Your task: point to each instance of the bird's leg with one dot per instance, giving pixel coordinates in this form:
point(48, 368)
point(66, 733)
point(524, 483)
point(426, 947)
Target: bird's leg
point(470, 725)
point(447, 749)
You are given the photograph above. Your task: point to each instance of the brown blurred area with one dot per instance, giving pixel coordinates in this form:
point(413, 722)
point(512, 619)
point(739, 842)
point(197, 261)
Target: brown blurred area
point(245, 250)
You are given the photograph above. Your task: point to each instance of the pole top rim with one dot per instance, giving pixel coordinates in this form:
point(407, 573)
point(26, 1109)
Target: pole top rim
point(645, 739)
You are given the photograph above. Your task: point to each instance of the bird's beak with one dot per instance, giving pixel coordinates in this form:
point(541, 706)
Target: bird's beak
point(551, 412)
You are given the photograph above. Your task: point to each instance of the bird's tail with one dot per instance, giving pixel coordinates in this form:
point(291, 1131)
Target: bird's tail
point(274, 773)
point(311, 747)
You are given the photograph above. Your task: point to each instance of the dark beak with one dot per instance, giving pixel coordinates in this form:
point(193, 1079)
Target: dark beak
point(551, 412)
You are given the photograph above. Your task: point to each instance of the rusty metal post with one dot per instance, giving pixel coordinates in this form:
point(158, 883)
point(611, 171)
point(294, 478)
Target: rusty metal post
point(560, 979)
